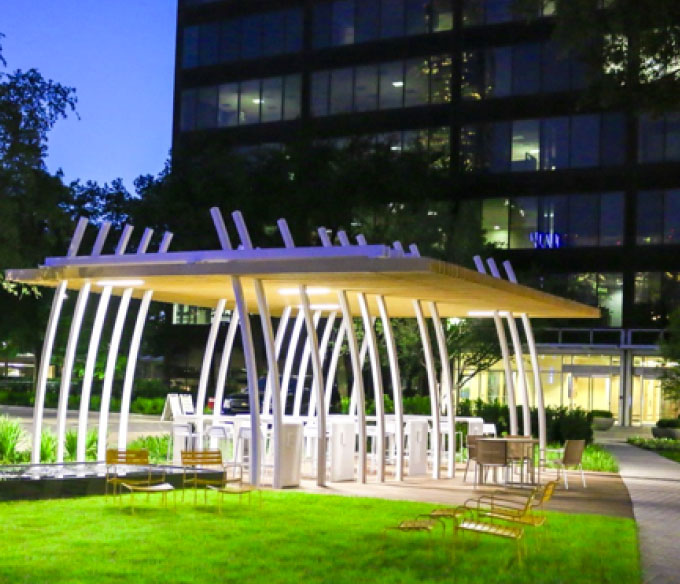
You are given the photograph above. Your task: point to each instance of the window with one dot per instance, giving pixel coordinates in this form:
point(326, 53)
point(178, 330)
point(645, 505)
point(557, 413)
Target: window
point(554, 221)
point(658, 217)
point(526, 69)
point(228, 105)
point(391, 85)
point(391, 18)
point(251, 36)
point(397, 84)
point(656, 295)
point(342, 23)
point(190, 47)
point(499, 72)
point(366, 88)
point(248, 102)
point(659, 138)
point(367, 21)
point(525, 145)
point(230, 41)
point(273, 33)
point(209, 44)
point(547, 144)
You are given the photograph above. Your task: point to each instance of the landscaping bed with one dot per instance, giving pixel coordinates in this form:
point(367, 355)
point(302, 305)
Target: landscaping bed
point(666, 447)
point(293, 537)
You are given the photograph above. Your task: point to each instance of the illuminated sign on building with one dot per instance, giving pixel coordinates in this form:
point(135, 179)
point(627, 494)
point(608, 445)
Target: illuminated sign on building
point(542, 240)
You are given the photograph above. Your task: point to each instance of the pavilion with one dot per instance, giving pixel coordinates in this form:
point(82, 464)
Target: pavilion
point(346, 285)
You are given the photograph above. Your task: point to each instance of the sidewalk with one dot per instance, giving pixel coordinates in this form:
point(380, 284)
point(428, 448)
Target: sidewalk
point(654, 486)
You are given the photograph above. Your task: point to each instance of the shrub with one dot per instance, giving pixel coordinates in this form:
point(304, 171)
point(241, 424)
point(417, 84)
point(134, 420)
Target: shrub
point(417, 405)
point(48, 447)
point(10, 435)
point(147, 405)
point(151, 388)
point(668, 423)
point(156, 445)
point(601, 414)
point(71, 445)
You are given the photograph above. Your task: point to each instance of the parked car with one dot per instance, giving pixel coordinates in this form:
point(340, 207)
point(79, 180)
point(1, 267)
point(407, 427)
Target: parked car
point(238, 402)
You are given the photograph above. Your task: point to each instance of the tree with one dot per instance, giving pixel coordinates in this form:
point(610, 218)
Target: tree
point(631, 47)
point(33, 219)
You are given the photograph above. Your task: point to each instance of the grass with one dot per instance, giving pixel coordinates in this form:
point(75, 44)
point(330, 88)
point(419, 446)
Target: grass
point(666, 447)
point(293, 537)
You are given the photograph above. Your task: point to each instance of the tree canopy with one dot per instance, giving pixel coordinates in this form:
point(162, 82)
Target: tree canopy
point(632, 48)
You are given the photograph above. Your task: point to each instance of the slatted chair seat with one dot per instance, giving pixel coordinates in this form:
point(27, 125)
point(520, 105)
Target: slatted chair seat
point(163, 488)
point(239, 489)
point(488, 528)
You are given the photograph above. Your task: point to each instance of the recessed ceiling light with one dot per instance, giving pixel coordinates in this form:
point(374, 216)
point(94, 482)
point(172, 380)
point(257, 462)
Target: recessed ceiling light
point(120, 283)
point(397, 84)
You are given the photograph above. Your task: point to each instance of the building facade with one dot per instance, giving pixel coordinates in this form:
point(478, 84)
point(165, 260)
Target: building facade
point(583, 201)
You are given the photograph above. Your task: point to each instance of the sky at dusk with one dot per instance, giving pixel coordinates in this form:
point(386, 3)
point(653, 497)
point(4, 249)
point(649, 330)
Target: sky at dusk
point(119, 56)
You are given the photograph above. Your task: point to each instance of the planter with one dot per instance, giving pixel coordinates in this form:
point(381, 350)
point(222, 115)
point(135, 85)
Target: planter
point(602, 424)
point(673, 433)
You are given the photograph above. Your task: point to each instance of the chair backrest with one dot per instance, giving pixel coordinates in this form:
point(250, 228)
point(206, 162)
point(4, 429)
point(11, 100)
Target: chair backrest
point(489, 430)
point(573, 452)
point(139, 456)
point(545, 493)
point(472, 445)
point(201, 458)
point(492, 452)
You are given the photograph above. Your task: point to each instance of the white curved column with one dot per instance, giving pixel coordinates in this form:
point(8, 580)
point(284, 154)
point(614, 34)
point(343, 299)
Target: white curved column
point(505, 353)
point(533, 353)
point(206, 367)
point(67, 369)
point(395, 377)
point(323, 349)
point(378, 393)
point(291, 351)
point(248, 353)
point(93, 349)
point(316, 367)
point(304, 362)
point(333, 364)
point(112, 356)
point(363, 352)
point(223, 369)
point(133, 354)
point(278, 342)
point(446, 386)
point(48, 345)
point(507, 368)
point(432, 383)
point(358, 385)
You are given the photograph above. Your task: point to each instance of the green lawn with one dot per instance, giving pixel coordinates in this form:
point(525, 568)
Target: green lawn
point(292, 537)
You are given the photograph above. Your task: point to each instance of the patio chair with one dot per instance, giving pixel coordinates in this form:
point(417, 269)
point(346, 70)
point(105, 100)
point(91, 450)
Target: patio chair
point(118, 471)
point(491, 454)
point(520, 454)
point(517, 507)
point(572, 455)
point(472, 455)
point(471, 521)
point(196, 462)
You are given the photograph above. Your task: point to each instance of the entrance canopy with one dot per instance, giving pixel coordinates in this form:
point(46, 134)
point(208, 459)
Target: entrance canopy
point(202, 278)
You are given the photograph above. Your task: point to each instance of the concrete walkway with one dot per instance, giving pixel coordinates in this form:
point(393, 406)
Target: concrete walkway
point(654, 486)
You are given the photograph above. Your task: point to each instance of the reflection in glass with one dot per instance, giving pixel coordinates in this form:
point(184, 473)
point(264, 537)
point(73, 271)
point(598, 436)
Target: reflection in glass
point(651, 139)
point(672, 136)
point(613, 139)
point(440, 79)
point(209, 43)
point(672, 217)
point(442, 15)
point(585, 141)
point(206, 111)
point(342, 23)
point(416, 82)
point(341, 91)
point(366, 88)
point(416, 17)
point(230, 41)
point(555, 144)
point(499, 72)
point(391, 85)
point(250, 102)
point(321, 29)
point(391, 18)
point(188, 112)
point(367, 20)
point(228, 105)
point(190, 46)
point(292, 97)
point(293, 30)
point(555, 68)
point(251, 42)
point(272, 94)
point(526, 72)
point(583, 220)
point(320, 93)
point(611, 219)
point(649, 219)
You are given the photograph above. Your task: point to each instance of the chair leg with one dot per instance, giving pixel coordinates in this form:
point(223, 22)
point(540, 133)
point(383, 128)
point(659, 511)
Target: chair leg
point(583, 477)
